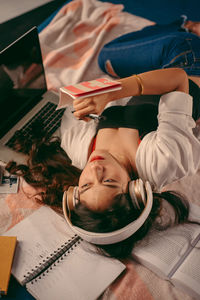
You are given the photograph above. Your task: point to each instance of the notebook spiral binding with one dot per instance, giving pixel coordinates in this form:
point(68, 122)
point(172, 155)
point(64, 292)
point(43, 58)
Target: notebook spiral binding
point(52, 259)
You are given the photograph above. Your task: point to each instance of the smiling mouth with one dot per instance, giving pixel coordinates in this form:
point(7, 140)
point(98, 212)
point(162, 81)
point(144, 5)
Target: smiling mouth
point(97, 158)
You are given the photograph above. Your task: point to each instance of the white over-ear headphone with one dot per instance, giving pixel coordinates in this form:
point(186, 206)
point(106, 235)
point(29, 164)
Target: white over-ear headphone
point(141, 195)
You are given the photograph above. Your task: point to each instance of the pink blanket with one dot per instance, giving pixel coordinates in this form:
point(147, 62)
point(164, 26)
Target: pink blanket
point(70, 46)
point(71, 42)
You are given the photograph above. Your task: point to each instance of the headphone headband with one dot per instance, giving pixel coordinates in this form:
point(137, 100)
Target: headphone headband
point(117, 235)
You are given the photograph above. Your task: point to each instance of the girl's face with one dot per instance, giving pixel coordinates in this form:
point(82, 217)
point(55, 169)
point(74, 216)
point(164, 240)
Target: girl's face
point(102, 178)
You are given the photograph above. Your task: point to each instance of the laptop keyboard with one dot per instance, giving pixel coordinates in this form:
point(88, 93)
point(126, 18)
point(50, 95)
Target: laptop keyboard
point(48, 117)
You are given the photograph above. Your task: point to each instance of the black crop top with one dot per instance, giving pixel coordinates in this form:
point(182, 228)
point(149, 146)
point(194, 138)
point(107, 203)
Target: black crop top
point(141, 112)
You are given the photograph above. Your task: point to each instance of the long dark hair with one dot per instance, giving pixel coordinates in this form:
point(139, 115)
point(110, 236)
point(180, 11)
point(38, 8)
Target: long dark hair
point(122, 213)
point(48, 167)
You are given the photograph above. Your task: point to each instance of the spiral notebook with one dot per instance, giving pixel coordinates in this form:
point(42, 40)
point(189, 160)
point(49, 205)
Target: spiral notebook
point(53, 263)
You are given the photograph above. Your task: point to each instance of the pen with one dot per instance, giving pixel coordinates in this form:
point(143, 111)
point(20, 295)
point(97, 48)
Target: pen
point(93, 116)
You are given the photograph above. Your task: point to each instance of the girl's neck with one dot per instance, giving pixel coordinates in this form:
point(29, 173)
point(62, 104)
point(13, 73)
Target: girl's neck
point(124, 160)
point(122, 143)
point(121, 155)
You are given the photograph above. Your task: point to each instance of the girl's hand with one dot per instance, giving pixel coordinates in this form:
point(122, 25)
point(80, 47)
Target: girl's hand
point(91, 105)
point(156, 82)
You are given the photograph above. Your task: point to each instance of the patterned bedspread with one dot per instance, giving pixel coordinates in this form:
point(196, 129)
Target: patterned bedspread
point(70, 46)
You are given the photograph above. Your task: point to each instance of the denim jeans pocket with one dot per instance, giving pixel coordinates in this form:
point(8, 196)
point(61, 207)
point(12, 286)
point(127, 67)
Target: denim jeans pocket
point(189, 59)
point(181, 60)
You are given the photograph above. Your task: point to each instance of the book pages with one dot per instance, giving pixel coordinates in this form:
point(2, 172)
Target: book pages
point(188, 275)
point(80, 274)
point(53, 263)
point(39, 235)
point(86, 89)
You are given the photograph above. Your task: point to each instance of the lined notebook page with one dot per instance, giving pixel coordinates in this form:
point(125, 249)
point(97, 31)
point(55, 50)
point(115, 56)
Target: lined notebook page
point(80, 275)
point(38, 235)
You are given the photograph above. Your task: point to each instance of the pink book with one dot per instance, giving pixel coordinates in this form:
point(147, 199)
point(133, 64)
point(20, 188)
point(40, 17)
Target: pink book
point(85, 89)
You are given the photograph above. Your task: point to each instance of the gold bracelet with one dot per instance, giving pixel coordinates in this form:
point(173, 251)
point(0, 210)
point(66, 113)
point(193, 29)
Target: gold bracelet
point(141, 86)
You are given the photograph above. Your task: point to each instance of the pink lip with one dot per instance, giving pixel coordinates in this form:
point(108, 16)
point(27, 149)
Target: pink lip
point(97, 158)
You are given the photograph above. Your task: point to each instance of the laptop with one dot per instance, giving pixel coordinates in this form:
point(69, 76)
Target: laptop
point(24, 99)
point(11, 8)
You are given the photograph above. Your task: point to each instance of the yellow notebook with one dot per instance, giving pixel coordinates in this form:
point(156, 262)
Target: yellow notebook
point(7, 249)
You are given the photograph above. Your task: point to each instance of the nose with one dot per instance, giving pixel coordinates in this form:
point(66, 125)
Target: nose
point(97, 171)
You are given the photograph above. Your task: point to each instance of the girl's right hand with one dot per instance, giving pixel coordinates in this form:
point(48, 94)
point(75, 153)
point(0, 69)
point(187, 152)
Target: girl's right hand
point(91, 105)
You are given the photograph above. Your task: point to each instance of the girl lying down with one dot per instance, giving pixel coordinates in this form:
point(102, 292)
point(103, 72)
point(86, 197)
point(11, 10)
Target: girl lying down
point(126, 159)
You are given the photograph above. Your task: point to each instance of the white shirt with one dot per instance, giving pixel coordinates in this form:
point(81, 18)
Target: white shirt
point(76, 137)
point(172, 151)
point(163, 156)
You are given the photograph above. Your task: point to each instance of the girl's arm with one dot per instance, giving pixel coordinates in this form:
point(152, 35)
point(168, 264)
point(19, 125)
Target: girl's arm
point(155, 82)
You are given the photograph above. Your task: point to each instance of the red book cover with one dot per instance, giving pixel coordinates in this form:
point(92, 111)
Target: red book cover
point(85, 89)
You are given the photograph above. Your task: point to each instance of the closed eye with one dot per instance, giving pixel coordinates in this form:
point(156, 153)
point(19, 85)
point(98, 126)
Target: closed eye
point(109, 180)
point(110, 184)
point(85, 185)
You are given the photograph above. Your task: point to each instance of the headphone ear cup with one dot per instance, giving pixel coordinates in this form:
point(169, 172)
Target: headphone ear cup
point(132, 194)
point(137, 192)
point(72, 197)
point(142, 189)
point(76, 198)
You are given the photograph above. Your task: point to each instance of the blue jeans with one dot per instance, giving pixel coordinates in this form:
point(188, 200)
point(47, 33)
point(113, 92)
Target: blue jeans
point(154, 47)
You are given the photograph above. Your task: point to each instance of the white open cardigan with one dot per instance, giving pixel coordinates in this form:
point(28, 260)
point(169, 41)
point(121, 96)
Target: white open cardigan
point(163, 156)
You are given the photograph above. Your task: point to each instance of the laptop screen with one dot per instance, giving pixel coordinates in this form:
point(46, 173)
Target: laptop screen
point(22, 79)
